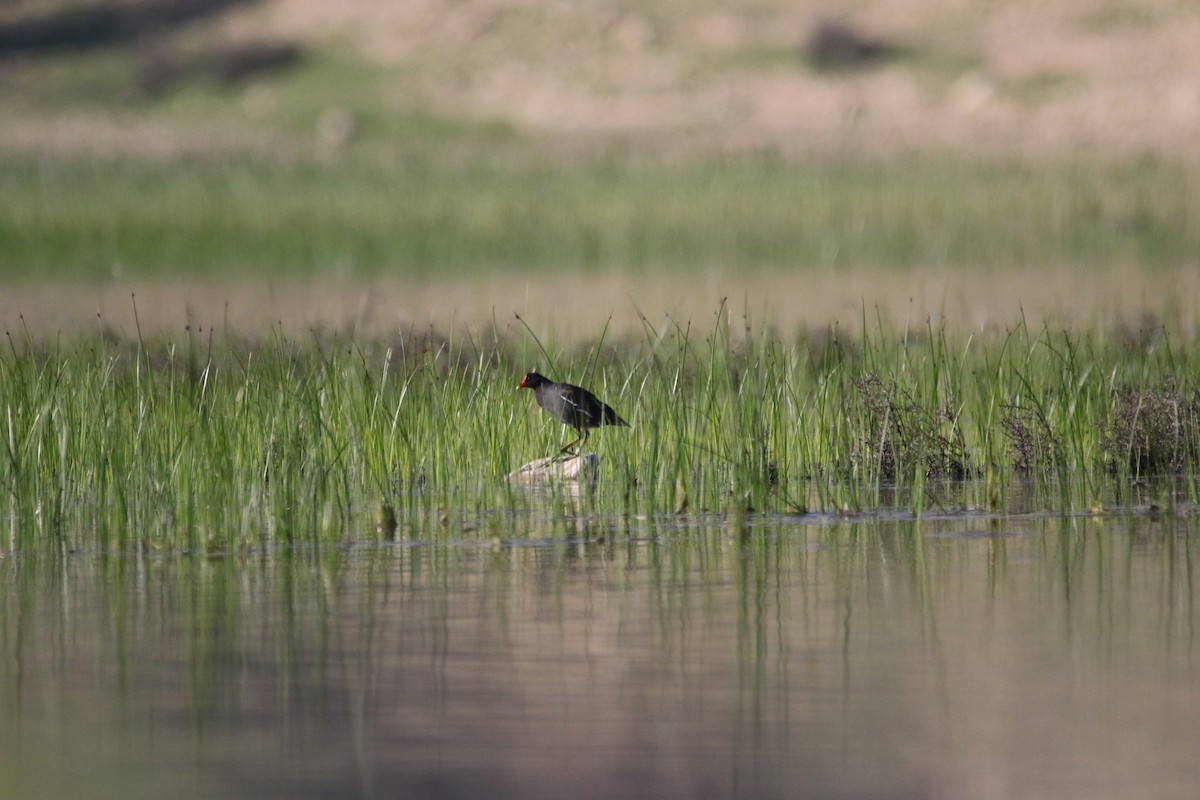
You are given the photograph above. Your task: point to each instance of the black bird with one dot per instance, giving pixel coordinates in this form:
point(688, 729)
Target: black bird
point(573, 406)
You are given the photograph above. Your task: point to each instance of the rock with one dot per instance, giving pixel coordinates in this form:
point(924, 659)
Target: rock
point(837, 45)
point(560, 468)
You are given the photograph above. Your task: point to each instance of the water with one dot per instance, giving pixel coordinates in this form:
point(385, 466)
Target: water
point(956, 656)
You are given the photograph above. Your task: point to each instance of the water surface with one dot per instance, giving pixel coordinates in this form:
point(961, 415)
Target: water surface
point(960, 655)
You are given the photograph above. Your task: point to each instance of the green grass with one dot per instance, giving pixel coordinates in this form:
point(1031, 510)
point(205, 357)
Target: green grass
point(199, 217)
point(205, 445)
point(204, 181)
point(201, 179)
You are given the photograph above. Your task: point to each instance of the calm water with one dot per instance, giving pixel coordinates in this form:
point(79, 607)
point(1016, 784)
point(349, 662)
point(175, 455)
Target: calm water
point(954, 657)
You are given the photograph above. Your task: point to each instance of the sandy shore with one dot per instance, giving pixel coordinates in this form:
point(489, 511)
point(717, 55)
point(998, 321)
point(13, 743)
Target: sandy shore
point(576, 307)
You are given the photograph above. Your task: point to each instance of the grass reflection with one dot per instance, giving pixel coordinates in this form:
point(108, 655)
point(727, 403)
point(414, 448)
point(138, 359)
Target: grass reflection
point(753, 657)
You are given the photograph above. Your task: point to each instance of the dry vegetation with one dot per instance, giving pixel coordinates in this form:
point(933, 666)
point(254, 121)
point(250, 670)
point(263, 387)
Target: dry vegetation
point(1028, 79)
point(581, 307)
point(1100, 79)
point(1075, 81)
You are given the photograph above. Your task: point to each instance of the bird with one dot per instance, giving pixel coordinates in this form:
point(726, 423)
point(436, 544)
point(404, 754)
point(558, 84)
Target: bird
point(573, 406)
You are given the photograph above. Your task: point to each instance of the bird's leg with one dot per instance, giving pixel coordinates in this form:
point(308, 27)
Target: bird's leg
point(567, 449)
point(582, 439)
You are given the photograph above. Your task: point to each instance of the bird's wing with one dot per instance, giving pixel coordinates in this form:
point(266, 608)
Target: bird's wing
point(580, 410)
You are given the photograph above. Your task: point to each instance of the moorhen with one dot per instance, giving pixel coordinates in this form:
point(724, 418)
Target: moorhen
point(573, 406)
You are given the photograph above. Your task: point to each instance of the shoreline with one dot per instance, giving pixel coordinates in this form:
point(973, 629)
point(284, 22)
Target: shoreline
point(575, 307)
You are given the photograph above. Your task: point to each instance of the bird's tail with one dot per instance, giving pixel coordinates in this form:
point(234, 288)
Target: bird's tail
point(610, 418)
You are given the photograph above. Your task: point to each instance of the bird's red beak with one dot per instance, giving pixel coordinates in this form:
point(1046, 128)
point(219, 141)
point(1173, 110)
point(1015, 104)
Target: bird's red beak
point(521, 385)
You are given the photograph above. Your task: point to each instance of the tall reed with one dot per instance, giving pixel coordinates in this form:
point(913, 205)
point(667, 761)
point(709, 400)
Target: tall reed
point(212, 442)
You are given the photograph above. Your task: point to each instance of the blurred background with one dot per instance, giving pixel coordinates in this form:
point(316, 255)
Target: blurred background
point(369, 166)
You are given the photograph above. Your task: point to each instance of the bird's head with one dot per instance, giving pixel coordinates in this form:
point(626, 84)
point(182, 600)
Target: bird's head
point(532, 380)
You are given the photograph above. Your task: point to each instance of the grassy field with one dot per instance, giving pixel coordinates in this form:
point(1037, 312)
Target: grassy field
point(142, 159)
point(197, 445)
point(94, 220)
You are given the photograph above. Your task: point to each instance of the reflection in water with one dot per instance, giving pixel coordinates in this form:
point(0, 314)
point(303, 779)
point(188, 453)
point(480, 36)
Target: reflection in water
point(952, 657)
